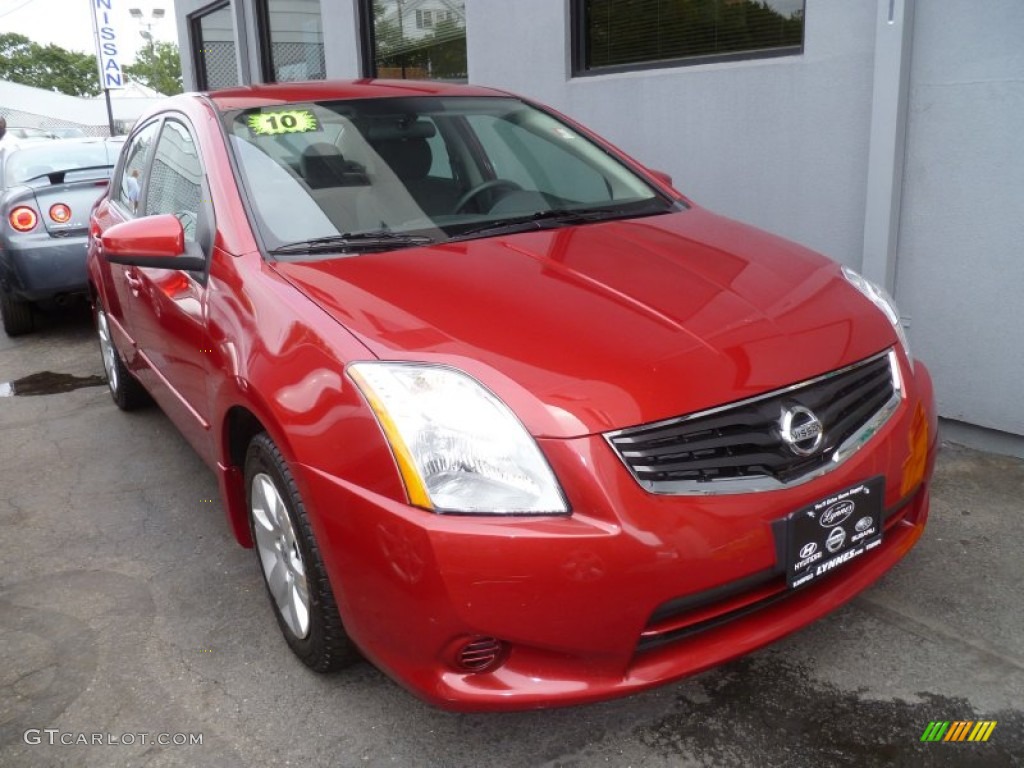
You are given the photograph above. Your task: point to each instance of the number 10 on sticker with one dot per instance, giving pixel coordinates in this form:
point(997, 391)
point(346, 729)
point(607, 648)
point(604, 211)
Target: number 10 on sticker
point(285, 121)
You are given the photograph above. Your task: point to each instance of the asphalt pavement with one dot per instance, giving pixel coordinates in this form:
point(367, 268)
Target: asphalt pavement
point(132, 627)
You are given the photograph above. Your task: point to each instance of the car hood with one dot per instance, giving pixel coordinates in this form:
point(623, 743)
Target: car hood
point(583, 329)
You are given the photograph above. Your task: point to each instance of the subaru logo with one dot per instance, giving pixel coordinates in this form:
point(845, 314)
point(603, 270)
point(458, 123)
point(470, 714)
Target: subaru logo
point(808, 549)
point(863, 524)
point(836, 539)
point(801, 430)
point(836, 514)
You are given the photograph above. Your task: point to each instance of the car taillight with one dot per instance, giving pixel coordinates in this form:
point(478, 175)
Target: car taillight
point(23, 218)
point(60, 213)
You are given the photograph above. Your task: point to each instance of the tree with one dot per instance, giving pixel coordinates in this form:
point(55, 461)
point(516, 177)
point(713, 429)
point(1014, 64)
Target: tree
point(446, 55)
point(159, 67)
point(50, 67)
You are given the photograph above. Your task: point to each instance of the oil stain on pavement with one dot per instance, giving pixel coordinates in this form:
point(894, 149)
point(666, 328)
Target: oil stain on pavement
point(48, 383)
point(769, 710)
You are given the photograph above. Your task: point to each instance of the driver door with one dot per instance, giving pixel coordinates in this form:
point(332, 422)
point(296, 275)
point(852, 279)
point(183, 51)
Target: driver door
point(169, 317)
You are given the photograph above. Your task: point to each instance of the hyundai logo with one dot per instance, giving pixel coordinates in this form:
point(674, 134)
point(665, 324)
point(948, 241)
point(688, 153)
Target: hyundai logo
point(801, 430)
point(808, 549)
point(836, 539)
point(836, 514)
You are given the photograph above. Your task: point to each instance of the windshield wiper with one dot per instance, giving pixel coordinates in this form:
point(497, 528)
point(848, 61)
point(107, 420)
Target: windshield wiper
point(380, 240)
point(542, 219)
point(57, 177)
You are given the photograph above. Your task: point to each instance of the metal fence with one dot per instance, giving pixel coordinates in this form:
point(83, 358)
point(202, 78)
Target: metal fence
point(17, 118)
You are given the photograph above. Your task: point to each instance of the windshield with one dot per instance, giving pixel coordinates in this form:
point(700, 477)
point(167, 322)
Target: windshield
point(433, 168)
point(39, 159)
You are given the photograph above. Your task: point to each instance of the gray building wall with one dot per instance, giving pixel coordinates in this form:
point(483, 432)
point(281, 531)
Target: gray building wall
point(780, 143)
point(960, 271)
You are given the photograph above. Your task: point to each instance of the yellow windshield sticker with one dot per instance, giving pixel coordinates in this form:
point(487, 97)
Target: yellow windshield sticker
point(283, 121)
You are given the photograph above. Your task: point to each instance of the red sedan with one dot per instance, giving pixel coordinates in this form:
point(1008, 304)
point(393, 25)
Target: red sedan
point(498, 408)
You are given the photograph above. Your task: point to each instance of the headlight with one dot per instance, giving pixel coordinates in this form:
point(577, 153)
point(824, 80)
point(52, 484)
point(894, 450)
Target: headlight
point(458, 447)
point(881, 299)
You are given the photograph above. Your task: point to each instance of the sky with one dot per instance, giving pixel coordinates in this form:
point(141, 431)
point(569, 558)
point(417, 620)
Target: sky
point(68, 23)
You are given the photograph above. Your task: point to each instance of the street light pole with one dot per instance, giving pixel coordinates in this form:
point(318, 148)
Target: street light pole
point(147, 34)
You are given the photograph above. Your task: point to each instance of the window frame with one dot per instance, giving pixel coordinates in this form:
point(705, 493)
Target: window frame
point(578, 51)
point(367, 39)
point(118, 176)
point(206, 224)
point(368, 42)
point(195, 31)
point(265, 40)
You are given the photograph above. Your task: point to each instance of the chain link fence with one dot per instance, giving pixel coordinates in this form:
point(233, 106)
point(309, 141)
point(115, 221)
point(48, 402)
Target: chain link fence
point(298, 61)
point(220, 64)
point(19, 119)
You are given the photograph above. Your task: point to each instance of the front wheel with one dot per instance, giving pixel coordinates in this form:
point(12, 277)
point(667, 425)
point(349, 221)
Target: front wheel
point(290, 560)
point(126, 391)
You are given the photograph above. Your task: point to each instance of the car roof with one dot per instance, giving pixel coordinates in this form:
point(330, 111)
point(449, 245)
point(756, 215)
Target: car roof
point(331, 90)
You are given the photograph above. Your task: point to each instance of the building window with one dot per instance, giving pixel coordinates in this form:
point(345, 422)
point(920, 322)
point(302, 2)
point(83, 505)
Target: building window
point(616, 35)
point(415, 39)
point(213, 48)
point(291, 40)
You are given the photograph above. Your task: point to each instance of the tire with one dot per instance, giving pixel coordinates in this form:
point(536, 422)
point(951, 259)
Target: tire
point(289, 559)
point(16, 315)
point(125, 390)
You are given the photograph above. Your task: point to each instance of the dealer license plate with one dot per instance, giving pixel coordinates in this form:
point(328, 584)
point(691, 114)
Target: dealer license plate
point(830, 533)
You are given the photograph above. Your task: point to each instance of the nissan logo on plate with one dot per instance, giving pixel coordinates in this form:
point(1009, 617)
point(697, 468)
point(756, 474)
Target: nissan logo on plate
point(836, 514)
point(801, 430)
point(835, 540)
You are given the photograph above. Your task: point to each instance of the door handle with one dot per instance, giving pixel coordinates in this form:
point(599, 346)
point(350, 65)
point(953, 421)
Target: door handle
point(134, 281)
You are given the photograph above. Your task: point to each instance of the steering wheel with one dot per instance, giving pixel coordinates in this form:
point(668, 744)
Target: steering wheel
point(472, 194)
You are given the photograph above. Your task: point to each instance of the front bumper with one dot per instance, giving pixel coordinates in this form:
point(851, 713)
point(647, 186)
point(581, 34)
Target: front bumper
point(38, 266)
point(577, 600)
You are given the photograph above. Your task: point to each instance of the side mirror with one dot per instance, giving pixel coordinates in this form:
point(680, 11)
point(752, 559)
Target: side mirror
point(152, 241)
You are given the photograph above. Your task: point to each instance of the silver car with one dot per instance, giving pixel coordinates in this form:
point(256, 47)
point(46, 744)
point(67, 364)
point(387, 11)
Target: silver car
point(47, 190)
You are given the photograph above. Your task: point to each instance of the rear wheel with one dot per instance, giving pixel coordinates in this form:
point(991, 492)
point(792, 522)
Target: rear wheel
point(16, 315)
point(126, 391)
point(290, 560)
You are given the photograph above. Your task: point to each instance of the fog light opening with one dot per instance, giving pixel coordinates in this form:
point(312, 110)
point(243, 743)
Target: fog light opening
point(479, 654)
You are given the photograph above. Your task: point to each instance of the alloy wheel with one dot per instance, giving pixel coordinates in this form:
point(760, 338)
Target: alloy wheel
point(280, 556)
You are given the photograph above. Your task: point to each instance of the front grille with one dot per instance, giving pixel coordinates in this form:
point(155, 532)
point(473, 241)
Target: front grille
point(741, 447)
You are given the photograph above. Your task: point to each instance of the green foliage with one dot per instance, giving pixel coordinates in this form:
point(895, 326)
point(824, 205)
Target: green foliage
point(50, 67)
point(159, 67)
